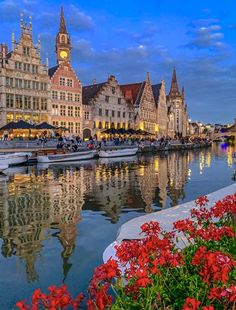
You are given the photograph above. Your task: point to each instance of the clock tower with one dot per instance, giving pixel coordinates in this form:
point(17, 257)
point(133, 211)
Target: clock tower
point(63, 45)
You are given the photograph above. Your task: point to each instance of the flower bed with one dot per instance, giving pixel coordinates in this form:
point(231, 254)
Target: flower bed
point(153, 273)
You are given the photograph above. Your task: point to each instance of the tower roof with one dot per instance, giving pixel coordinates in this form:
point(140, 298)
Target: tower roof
point(174, 89)
point(62, 22)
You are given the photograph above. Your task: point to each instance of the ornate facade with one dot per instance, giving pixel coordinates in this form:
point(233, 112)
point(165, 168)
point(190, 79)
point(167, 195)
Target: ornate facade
point(177, 109)
point(24, 82)
point(66, 89)
point(140, 96)
point(108, 105)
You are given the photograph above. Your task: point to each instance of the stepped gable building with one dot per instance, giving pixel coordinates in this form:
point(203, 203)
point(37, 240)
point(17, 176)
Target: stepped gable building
point(24, 82)
point(160, 100)
point(140, 96)
point(177, 108)
point(66, 89)
point(109, 107)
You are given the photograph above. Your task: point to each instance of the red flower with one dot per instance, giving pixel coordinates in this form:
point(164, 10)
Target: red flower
point(21, 305)
point(191, 304)
point(208, 308)
point(201, 201)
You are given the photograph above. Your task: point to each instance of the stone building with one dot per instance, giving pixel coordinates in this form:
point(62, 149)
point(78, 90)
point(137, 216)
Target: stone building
point(160, 100)
point(66, 89)
point(24, 82)
point(108, 106)
point(177, 109)
point(140, 96)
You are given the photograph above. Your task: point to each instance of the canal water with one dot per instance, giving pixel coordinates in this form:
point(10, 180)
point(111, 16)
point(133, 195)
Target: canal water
point(56, 220)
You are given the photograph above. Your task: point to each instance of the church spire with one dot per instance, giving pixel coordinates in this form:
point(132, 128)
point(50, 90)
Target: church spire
point(174, 89)
point(62, 22)
point(63, 45)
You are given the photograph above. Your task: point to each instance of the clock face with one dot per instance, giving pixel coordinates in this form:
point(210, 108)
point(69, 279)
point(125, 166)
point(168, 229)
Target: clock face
point(63, 54)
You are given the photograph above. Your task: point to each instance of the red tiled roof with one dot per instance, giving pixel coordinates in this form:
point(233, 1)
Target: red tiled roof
point(133, 92)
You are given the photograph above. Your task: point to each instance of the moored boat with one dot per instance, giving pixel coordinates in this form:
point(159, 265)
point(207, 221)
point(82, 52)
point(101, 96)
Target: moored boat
point(118, 152)
point(3, 167)
point(10, 159)
point(70, 156)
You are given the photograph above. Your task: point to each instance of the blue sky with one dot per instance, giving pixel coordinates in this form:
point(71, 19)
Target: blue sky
point(129, 38)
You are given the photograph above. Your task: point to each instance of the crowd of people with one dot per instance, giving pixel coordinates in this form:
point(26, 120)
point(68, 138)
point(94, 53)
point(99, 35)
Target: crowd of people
point(75, 142)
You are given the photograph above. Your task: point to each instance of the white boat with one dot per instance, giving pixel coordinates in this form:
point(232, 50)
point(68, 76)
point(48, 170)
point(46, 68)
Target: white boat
point(118, 152)
point(3, 167)
point(72, 156)
point(14, 158)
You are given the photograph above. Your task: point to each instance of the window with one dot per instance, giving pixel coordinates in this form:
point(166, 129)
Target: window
point(69, 83)
point(118, 125)
point(27, 67)
point(106, 125)
point(55, 123)
point(86, 115)
point(18, 83)
point(100, 112)
point(71, 126)
point(9, 81)
point(123, 114)
point(26, 50)
point(63, 124)
point(70, 111)
point(118, 113)
point(34, 69)
point(54, 94)
point(27, 103)
point(27, 84)
point(43, 86)
point(35, 85)
point(77, 127)
point(18, 65)
point(119, 100)
point(62, 81)
point(62, 95)
point(113, 113)
point(113, 89)
point(107, 112)
point(63, 110)
point(55, 109)
point(112, 125)
point(100, 125)
point(69, 96)
point(19, 102)
point(130, 114)
point(77, 97)
point(106, 98)
point(35, 103)
point(77, 111)
point(9, 100)
point(123, 125)
point(44, 104)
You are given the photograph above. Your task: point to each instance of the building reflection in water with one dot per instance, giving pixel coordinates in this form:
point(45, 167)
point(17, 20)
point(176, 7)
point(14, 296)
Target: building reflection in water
point(46, 202)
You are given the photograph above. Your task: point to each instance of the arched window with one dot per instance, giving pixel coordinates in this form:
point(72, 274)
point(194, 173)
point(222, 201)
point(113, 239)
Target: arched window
point(63, 39)
point(100, 125)
point(112, 125)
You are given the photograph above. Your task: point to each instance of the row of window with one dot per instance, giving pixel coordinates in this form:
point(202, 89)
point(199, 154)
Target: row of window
point(66, 82)
point(26, 67)
point(26, 102)
point(107, 125)
point(112, 113)
point(26, 84)
point(107, 99)
point(73, 127)
point(148, 115)
point(65, 96)
point(62, 110)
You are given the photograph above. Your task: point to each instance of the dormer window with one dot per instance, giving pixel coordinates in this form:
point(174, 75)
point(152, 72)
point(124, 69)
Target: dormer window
point(113, 90)
point(26, 50)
